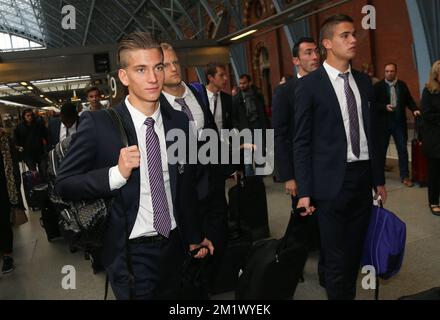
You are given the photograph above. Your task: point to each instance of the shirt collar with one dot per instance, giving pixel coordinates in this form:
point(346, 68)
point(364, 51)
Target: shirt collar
point(170, 98)
point(332, 72)
point(139, 118)
point(299, 76)
point(211, 94)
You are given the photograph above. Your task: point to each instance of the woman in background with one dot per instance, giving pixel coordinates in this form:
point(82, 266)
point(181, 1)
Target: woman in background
point(431, 135)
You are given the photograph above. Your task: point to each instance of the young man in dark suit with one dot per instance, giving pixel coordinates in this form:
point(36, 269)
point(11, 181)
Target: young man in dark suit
point(210, 177)
point(305, 56)
point(64, 126)
point(220, 103)
point(154, 200)
point(392, 99)
point(335, 163)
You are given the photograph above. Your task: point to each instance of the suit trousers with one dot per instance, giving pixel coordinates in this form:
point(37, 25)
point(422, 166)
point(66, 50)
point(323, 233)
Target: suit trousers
point(157, 268)
point(433, 180)
point(400, 136)
point(343, 223)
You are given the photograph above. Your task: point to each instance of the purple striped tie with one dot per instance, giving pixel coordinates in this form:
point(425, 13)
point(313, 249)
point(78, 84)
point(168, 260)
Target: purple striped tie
point(352, 116)
point(161, 211)
point(185, 108)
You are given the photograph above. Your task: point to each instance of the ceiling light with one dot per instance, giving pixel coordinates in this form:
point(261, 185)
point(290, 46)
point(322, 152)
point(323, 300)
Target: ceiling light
point(244, 34)
point(30, 88)
point(24, 84)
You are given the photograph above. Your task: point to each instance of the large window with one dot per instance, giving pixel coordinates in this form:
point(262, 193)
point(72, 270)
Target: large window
point(13, 43)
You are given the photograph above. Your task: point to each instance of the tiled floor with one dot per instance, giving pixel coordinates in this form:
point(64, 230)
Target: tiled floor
point(39, 263)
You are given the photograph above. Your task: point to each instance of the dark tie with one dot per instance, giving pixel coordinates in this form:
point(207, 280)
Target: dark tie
point(67, 132)
point(185, 108)
point(161, 212)
point(352, 116)
point(215, 103)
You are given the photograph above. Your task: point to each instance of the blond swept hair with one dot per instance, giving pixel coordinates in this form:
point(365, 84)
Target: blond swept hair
point(135, 41)
point(433, 84)
point(166, 46)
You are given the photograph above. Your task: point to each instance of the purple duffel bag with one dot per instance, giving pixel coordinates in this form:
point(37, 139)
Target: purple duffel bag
point(385, 243)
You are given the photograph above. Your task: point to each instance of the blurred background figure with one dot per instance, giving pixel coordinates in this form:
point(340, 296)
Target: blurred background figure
point(30, 138)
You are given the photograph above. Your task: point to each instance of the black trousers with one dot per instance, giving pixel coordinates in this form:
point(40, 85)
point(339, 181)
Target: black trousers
point(433, 180)
point(343, 223)
point(6, 235)
point(157, 269)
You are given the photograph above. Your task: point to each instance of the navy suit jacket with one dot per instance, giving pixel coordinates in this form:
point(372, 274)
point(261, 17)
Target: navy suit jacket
point(320, 145)
point(210, 185)
point(283, 122)
point(84, 174)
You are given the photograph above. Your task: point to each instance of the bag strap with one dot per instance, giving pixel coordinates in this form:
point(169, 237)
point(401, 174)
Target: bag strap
point(283, 242)
point(118, 123)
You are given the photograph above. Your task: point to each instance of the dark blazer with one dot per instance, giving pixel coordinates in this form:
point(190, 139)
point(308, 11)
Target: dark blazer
point(53, 129)
point(431, 123)
point(226, 100)
point(405, 100)
point(283, 122)
point(239, 118)
point(209, 180)
point(320, 145)
point(95, 149)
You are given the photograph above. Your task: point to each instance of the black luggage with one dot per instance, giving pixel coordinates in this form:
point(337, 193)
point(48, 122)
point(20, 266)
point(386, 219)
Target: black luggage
point(274, 267)
point(231, 262)
point(49, 220)
point(94, 255)
point(431, 294)
point(247, 200)
point(30, 180)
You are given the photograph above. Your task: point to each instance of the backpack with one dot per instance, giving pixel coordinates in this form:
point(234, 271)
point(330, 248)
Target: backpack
point(385, 243)
point(83, 223)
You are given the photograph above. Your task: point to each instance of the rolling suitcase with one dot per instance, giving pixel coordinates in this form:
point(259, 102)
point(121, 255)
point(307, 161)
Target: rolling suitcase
point(247, 200)
point(419, 164)
point(274, 267)
point(49, 220)
point(30, 180)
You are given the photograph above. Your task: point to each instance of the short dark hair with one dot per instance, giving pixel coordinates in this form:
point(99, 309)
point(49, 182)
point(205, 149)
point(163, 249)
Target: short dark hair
point(211, 69)
point(295, 49)
point(27, 110)
point(69, 110)
point(135, 41)
point(328, 25)
point(390, 64)
point(92, 89)
point(245, 75)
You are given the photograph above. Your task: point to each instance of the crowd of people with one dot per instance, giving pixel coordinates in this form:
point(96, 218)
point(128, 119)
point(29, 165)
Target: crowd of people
point(332, 131)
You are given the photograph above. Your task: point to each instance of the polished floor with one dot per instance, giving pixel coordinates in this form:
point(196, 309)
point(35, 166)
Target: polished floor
point(39, 264)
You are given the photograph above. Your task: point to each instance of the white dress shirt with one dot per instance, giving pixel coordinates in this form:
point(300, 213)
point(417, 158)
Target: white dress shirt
point(218, 116)
point(144, 220)
point(63, 131)
point(191, 102)
point(338, 86)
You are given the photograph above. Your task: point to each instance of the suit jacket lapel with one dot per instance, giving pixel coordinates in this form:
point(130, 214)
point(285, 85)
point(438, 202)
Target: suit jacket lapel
point(168, 124)
point(327, 86)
